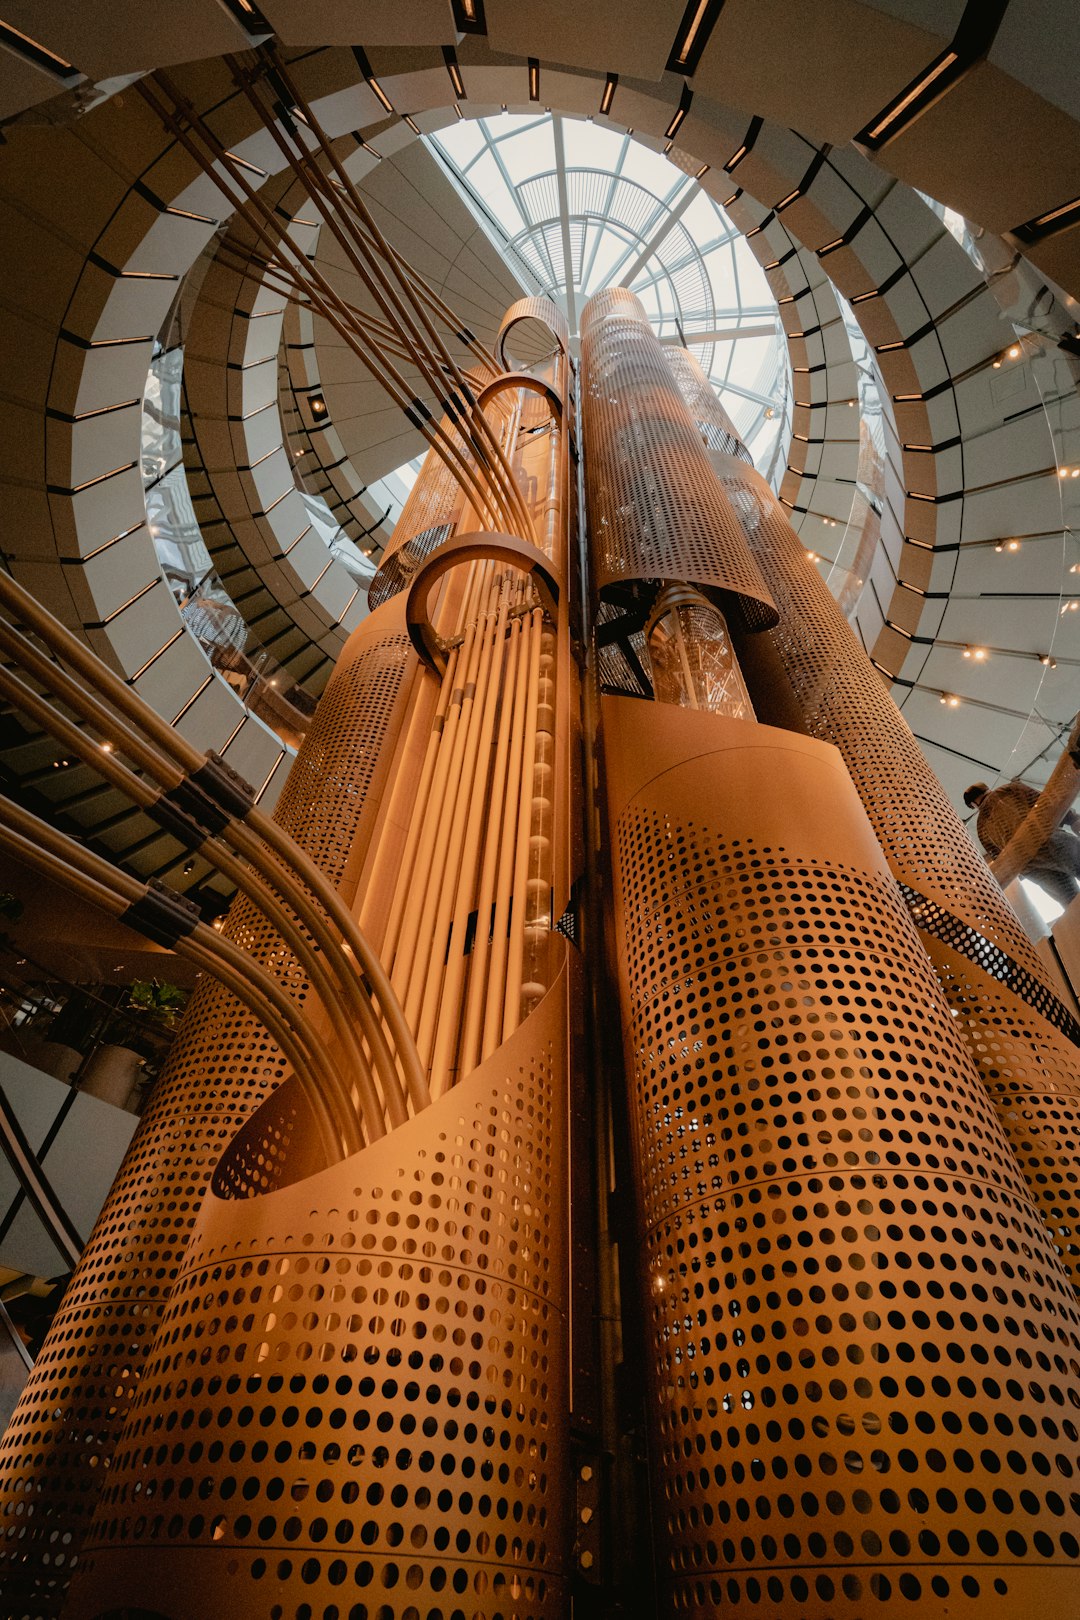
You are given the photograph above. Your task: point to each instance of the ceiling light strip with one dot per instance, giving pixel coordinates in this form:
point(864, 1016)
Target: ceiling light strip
point(970, 46)
point(753, 131)
point(31, 50)
point(454, 70)
point(361, 59)
point(469, 16)
point(1049, 223)
point(680, 112)
point(698, 21)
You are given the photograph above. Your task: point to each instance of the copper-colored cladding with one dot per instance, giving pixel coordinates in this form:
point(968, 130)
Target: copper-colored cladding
point(863, 1349)
point(57, 1448)
point(655, 511)
point(358, 1394)
point(434, 1256)
point(715, 426)
point(1025, 1042)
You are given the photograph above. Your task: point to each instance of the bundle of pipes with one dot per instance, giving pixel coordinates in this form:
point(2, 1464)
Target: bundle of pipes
point(407, 326)
point(370, 1076)
point(469, 916)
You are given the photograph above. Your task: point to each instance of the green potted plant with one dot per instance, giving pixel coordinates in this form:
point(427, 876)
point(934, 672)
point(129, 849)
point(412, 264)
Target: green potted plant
point(115, 1069)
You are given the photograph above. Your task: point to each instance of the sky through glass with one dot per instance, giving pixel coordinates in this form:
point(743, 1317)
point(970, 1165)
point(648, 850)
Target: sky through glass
point(575, 207)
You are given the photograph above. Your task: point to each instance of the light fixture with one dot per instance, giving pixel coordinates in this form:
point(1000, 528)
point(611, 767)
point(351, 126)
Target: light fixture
point(950, 701)
point(1014, 352)
point(318, 404)
point(698, 22)
point(754, 128)
point(370, 80)
point(450, 58)
point(979, 654)
point(1063, 472)
point(1055, 219)
point(1047, 661)
point(680, 112)
point(39, 54)
point(413, 125)
point(902, 110)
point(469, 16)
point(609, 93)
point(248, 16)
point(702, 172)
point(534, 78)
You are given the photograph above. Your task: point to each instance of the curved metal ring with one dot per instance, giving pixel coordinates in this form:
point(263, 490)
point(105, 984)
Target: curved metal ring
point(533, 308)
point(521, 379)
point(471, 548)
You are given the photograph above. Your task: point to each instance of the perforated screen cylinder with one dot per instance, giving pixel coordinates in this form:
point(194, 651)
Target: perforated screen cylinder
point(357, 1403)
point(713, 423)
point(655, 509)
point(1026, 1044)
point(861, 1346)
point(57, 1448)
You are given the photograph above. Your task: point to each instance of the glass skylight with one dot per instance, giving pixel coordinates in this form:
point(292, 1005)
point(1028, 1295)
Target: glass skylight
point(575, 207)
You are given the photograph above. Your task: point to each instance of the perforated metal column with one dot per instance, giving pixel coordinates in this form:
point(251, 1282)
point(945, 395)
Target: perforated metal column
point(862, 1347)
point(357, 1402)
point(1025, 1042)
point(655, 509)
point(56, 1451)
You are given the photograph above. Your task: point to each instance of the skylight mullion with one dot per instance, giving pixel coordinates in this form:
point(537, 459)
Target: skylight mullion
point(507, 182)
point(609, 199)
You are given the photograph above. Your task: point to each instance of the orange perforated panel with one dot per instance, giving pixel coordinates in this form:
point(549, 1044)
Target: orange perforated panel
point(715, 426)
point(57, 1448)
point(357, 1401)
point(655, 508)
point(862, 1348)
point(1023, 1040)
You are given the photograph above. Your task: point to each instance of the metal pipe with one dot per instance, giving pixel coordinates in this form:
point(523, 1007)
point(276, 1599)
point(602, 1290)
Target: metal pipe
point(428, 953)
point(107, 763)
point(418, 816)
point(428, 825)
point(245, 837)
point(272, 232)
point(465, 843)
point(504, 893)
point(299, 1049)
point(416, 320)
point(478, 966)
point(512, 998)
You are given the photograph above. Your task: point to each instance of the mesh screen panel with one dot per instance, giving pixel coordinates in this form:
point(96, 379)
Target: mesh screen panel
point(857, 1324)
point(655, 509)
point(845, 702)
point(712, 421)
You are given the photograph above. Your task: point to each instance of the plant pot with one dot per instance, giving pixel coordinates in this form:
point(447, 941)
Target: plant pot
point(111, 1074)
